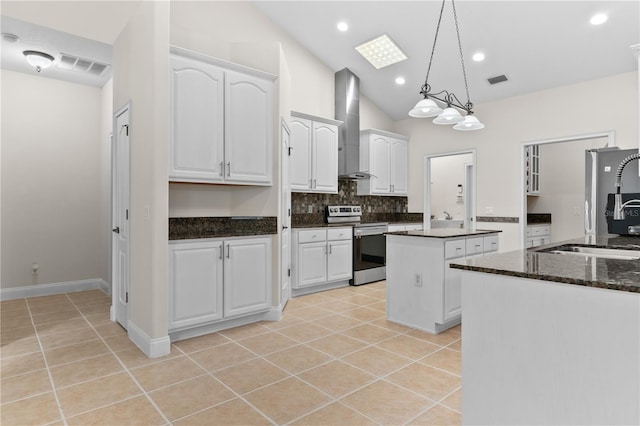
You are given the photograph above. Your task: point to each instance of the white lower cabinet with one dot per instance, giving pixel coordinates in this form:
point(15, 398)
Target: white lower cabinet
point(538, 235)
point(218, 279)
point(321, 256)
point(423, 292)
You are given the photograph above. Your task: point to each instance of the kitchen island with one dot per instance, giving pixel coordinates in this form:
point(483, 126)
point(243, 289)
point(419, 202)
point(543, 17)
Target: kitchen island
point(551, 338)
point(422, 291)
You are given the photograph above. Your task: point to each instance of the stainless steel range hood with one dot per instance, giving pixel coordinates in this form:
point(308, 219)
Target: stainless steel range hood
point(347, 99)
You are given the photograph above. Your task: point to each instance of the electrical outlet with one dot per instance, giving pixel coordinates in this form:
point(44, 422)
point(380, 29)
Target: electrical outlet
point(488, 210)
point(417, 280)
point(309, 209)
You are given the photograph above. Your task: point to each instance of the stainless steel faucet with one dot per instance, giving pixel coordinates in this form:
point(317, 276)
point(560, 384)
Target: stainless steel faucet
point(618, 209)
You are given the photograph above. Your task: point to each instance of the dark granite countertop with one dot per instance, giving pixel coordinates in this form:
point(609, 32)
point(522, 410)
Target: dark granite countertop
point(613, 274)
point(444, 233)
point(185, 228)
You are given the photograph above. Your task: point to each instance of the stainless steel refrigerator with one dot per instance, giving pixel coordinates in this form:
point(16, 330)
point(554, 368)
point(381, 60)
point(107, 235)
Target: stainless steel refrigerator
point(600, 169)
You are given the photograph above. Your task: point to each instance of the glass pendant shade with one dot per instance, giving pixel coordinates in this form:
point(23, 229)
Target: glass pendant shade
point(469, 123)
point(449, 116)
point(425, 108)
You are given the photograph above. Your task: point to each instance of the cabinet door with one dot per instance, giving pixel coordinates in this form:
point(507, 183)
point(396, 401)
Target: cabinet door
point(325, 157)
point(452, 292)
point(399, 163)
point(195, 283)
point(379, 165)
point(247, 276)
point(312, 264)
point(301, 134)
point(197, 114)
point(248, 129)
point(340, 260)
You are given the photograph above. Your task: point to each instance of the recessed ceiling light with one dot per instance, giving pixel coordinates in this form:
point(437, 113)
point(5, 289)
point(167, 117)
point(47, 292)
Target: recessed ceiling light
point(10, 38)
point(342, 26)
point(599, 19)
point(400, 80)
point(381, 52)
point(478, 57)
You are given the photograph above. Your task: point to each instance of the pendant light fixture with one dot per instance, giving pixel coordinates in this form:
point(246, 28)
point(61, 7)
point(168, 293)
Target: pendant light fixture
point(427, 107)
point(39, 60)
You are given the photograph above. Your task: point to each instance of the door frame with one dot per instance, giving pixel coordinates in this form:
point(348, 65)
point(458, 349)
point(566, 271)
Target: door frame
point(115, 284)
point(611, 142)
point(285, 221)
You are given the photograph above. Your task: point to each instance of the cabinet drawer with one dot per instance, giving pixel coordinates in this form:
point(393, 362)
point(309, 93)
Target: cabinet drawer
point(454, 249)
point(339, 234)
point(540, 230)
point(312, 236)
point(490, 243)
point(474, 246)
point(396, 228)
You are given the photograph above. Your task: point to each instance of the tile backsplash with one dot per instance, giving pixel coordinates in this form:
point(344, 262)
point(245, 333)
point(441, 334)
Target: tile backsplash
point(302, 202)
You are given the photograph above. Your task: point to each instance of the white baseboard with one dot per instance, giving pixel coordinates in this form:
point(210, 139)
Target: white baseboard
point(54, 288)
point(153, 348)
point(274, 314)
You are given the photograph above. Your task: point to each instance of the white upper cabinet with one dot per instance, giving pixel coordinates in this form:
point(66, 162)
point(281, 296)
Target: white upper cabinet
point(221, 122)
point(385, 156)
point(314, 157)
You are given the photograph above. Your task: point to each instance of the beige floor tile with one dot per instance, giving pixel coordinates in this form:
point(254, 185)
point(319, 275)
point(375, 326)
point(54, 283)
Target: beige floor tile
point(337, 305)
point(56, 316)
point(133, 358)
point(337, 345)
point(445, 359)
point(98, 309)
point(287, 400)
point(19, 347)
point(201, 342)
point(359, 299)
point(454, 401)
point(386, 403)
point(10, 367)
point(98, 320)
point(376, 361)
point(185, 398)
point(8, 305)
point(14, 313)
point(379, 306)
point(222, 356)
point(119, 343)
point(305, 332)
point(11, 323)
point(310, 313)
point(47, 300)
point(134, 411)
point(250, 375)
point(166, 373)
point(370, 333)
point(438, 415)
point(384, 323)
point(60, 326)
point(334, 414)
point(11, 335)
point(337, 378)
point(232, 413)
point(245, 331)
point(338, 322)
point(409, 346)
point(267, 343)
point(364, 314)
point(296, 303)
point(24, 386)
point(113, 329)
point(85, 370)
point(456, 346)
point(288, 319)
point(298, 358)
point(65, 338)
point(87, 295)
point(425, 380)
point(52, 308)
point(379, 285)
point(442, 339)
point(97, 393)
point(76, 352)
point(315, 298)
point(39, 410)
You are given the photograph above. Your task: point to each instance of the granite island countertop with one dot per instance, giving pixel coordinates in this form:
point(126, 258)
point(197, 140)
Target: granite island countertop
point(535, 263)
point(444, 233)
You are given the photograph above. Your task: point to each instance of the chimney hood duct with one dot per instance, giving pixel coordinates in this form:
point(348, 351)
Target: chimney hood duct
point(347, 90)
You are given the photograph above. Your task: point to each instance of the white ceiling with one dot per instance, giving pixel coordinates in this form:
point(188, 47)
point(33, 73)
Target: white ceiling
point(537, 44)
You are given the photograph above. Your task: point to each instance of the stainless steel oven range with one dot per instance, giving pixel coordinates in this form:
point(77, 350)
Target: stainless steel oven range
point(369, 244)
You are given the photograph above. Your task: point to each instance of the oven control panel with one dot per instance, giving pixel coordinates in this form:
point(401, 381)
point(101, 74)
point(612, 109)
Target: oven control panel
point(342, 211)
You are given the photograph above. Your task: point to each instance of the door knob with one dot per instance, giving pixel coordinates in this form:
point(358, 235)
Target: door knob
point(116, 229)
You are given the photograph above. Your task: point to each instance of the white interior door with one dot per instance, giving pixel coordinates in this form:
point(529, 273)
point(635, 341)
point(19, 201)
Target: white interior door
point(120, 217)
point(285, 238)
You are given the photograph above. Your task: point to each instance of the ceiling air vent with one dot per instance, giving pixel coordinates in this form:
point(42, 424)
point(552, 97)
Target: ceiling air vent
point(497, 79)
point(70, 62)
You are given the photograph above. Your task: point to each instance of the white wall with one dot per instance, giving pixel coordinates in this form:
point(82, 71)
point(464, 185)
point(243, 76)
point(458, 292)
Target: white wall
point(53, 187)
point(564, 111)
point(562, 183)
point(104, 239)
point(446, 174)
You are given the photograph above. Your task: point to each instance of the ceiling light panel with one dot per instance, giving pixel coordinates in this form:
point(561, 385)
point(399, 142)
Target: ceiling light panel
point(381, 52)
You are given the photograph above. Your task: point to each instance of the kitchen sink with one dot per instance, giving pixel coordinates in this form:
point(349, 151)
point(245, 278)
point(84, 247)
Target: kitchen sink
point(598, 252)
